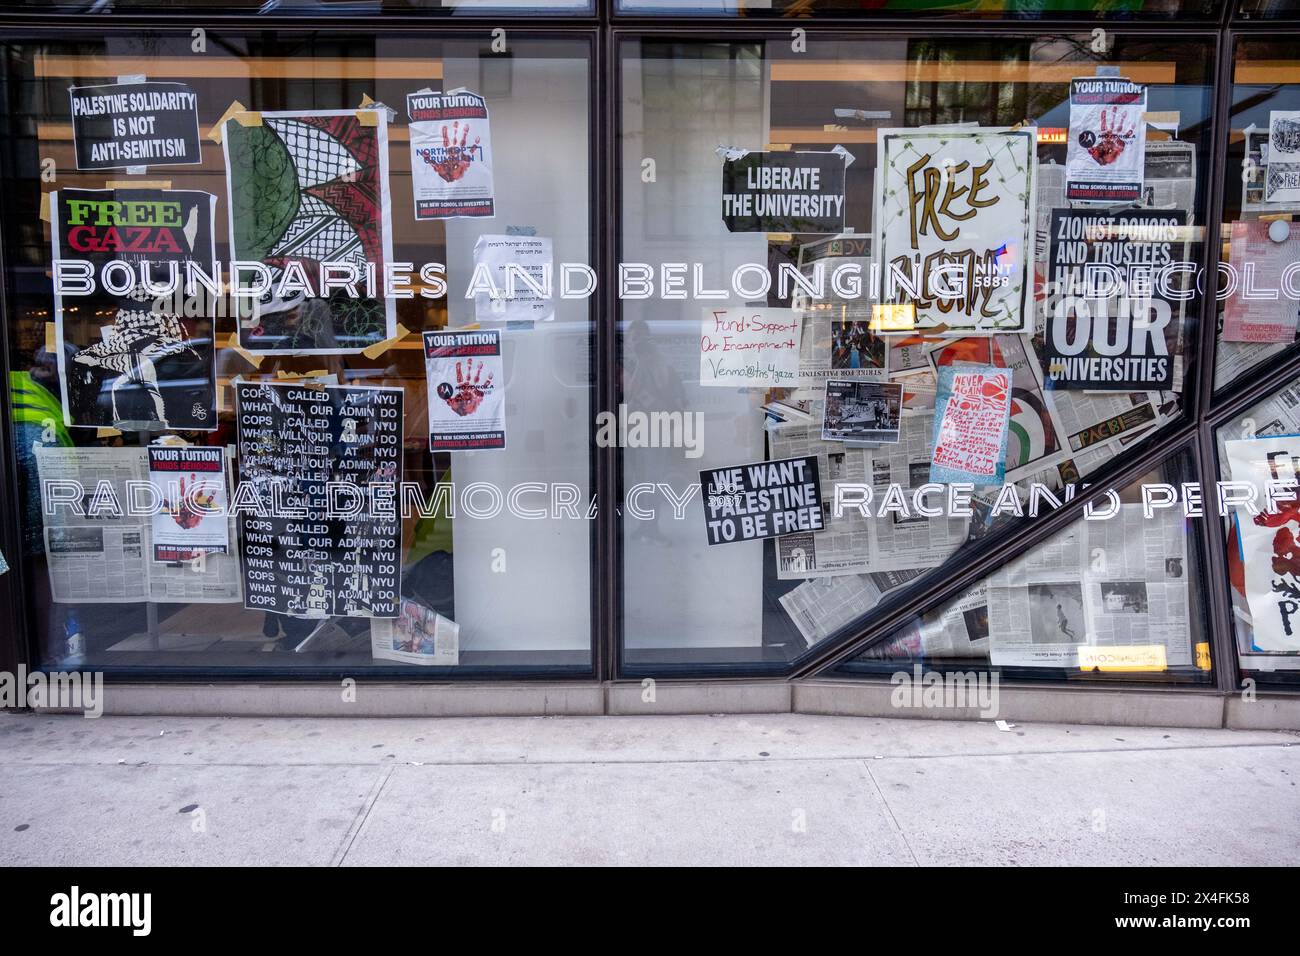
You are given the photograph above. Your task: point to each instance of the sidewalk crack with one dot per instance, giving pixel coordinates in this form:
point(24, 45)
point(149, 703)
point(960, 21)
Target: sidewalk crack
point(362, 815)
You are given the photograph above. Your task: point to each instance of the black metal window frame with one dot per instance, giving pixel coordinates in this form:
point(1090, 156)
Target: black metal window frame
point(1203, 410)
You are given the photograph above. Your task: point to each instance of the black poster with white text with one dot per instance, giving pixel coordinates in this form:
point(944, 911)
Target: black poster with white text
point(798, 192)
point(1113, 311)
point(135, 124)
point(762, 500)
point(320, 527)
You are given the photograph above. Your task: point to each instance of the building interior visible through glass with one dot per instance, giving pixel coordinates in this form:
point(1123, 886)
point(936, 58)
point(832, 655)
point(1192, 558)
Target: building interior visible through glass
point(303, 366)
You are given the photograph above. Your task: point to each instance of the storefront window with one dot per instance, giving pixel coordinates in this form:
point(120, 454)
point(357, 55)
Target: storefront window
point(990, 9)
point(1259, 286)
point(1115, 595)
point(1259, 454)
point(321, 8)
point(239, 279)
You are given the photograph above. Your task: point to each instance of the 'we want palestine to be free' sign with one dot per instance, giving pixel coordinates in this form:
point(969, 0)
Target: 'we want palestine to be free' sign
point(762, 500)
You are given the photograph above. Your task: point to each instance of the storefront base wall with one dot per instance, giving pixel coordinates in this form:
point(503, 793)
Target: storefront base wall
point(1118, 707)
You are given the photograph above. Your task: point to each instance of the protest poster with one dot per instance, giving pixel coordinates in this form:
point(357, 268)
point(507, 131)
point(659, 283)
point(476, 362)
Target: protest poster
point(1034, 436)
point(1108, 325)
point(862, 411)
point(126, 125)
point(1269, 542)
point(512, 280)
point(970, 428)
point(750, 347)
point(1260, 258)
point(467, 390)
point(1105, 153)
point(1282, 178)
point(309, 216)
point(418, 635)
point(324, 539)
point(955, 227)
point(451, 174)
point(761, 500)
point(784, 191)
point(133, 355)
point(99, 549)
point(189, 483)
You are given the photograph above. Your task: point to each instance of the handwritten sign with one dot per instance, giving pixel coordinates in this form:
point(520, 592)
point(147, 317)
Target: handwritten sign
point(955, 227)
point(762, 500)
point(749, 348)
point(970, 430)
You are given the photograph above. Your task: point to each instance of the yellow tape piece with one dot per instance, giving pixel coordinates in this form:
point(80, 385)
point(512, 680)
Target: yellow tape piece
point(107, 433)
point(368, 117)
point(778, 147)
point(379, 348)
point(249, 118)
point(233, 344)
point(51, 340)
point(780, 237)
point(45, 207)
point(365, 101)
point(138, 184)
point(215, 133)
point(289, 376)
point(1203, 655)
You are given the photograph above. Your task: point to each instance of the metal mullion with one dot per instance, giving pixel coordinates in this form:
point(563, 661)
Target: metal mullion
point(845, 27)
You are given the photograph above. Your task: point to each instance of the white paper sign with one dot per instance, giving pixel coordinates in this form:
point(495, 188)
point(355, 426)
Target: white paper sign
point(451, 155)
point(751, 347)
point(1282, 179)
point(1270, 543)
point(509, 271)
point(955, 229)
point(1105, 154)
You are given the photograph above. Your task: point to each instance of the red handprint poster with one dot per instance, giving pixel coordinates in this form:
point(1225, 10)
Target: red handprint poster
point(189, 485)
point(1106, 150)
point(451, 155)
point(467, 390)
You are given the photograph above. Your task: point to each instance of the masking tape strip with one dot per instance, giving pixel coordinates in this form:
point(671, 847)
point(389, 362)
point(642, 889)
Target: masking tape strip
point(45, 207)
point(379, 348)
point(106, 433)
point(215, 133)
point(51, 339)
point(138, 184)
point(365, 101)
point(233, 344)
point(289, 376)
point(368, 117)
point(249, 118)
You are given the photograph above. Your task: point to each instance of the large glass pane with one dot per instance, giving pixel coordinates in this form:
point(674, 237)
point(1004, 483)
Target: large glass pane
point(977, 9)
point(319, 8)
point(1115, 597)
point(1259, 454)
point(348, 354)
point(749, 166)
point(1259, 289)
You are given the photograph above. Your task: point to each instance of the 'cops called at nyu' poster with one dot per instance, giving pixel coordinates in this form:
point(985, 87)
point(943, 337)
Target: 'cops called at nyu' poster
point(467, 390)
point(1107, 146)
point(325, 539)
point(451, 155)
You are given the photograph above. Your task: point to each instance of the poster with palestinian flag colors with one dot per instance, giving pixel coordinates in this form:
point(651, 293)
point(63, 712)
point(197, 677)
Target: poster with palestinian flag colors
point(134, 352)
point(1268, 543)
point(309, 204)
point(1034, 439)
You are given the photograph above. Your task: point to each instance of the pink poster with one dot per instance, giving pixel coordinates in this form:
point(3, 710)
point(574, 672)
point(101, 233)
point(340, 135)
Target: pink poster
point(1259, 253)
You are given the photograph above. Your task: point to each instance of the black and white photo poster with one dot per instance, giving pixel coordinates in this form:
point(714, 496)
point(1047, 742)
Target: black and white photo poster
point(189, 483)
point(862, 411)
point(135, 124)
point(467, 390)
point(762, 500)
point(1108, 328)
point(324, 539)
point(1105, 154)
point(798, 192)
point(134, 355)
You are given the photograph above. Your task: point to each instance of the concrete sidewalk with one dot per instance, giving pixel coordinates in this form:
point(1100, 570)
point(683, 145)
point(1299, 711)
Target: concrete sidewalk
point(780, 789)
